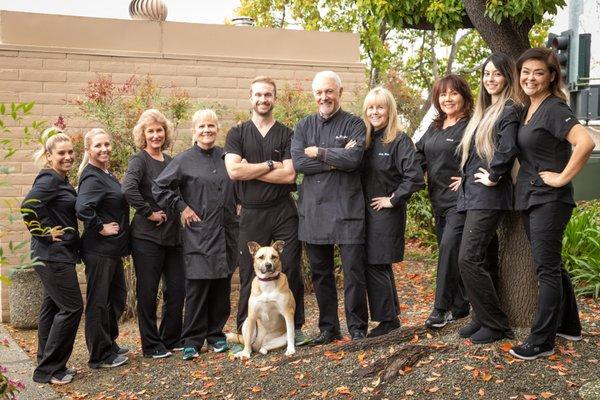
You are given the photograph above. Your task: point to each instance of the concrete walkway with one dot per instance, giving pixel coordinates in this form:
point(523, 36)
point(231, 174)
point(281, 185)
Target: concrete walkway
point(20, 367)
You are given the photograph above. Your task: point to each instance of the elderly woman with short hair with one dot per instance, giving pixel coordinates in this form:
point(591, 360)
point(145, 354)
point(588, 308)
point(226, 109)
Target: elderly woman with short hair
point(155, 239)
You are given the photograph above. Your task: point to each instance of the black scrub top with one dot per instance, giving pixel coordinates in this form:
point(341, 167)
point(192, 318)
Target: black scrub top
point(101, 201)
point(389, 169)
point(543, 147)
point(246, 141)
point(477, 196)
point(331, 206)
point(197, 178)
point(51, 203)
point(137, 188)
point(436, 152)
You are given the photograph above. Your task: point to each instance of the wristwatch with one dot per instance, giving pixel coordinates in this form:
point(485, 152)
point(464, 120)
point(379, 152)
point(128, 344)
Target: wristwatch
point(270, 165)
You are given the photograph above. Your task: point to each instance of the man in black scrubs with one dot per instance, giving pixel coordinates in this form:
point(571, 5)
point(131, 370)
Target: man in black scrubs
point(257, 154)
point(331, 206)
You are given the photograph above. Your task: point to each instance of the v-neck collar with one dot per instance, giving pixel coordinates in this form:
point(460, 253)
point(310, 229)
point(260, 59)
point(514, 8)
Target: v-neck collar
point(259, 132)
point(526, 123)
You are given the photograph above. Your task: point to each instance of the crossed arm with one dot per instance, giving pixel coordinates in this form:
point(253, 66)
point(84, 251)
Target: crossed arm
point(241, 170)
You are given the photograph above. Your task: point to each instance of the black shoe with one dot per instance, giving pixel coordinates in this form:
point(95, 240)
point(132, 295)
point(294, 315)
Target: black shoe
point(384, 328)
point(573, 337)
point(113, 361)
point(486, 335)
point(469, 329)
point(529, 351)
point(325, 337)
point(438, 318)
point(119, 350)
point(158, 354)
point(357, 335)
point(459, 314)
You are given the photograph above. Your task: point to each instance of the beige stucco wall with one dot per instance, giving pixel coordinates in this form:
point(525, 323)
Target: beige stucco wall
point(48, 59)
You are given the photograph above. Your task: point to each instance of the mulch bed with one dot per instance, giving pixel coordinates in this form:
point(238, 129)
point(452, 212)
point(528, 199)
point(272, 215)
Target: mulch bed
point(412, 363)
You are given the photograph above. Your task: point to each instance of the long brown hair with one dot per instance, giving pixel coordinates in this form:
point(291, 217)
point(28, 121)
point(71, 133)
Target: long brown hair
point(548, 57)
point(453, 82)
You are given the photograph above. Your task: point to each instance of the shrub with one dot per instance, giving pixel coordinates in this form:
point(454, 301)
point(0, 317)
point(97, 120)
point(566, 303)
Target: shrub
point(420, 223)
point(581, 249)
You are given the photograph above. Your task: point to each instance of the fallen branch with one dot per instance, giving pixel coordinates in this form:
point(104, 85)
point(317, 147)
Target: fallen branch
point(393, 338)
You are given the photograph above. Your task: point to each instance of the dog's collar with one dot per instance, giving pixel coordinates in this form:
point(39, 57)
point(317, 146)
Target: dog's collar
point(271, 278)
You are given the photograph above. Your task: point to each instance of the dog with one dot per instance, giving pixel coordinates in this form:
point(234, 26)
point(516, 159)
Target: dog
point(270, 321)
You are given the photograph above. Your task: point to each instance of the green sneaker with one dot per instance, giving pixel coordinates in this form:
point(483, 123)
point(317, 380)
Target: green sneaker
point(220, 346)
point(189, 353)
point(300, 339)
point(236, 348)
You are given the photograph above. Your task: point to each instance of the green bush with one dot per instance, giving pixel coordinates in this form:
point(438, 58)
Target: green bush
point(420, 223)
point(581, 249)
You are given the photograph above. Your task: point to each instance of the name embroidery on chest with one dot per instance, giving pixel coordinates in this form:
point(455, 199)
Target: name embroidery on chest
point(341, 138)
point(449, 140)
point(383, 154)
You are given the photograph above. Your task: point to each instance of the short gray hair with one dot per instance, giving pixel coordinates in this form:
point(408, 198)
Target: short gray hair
point(327, 75)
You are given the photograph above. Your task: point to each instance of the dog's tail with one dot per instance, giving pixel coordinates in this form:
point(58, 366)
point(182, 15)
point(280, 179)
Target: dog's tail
point(234, 337)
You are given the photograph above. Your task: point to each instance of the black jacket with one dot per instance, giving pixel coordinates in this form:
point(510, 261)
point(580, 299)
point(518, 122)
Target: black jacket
point(389, 169)
point(101, 201)
point(51, 203)
point(543, 147)
point(197, 178)
point(137, 188)
point(331, 206)
point(436, 152)
point(477, 196)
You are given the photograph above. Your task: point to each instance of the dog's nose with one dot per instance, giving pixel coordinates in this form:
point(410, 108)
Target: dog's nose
point(269, 266)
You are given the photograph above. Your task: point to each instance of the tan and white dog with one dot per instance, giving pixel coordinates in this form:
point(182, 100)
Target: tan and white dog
point(270, 321)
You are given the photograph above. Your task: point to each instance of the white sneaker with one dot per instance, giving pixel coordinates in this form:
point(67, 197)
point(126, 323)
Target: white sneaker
point(572, 338)
point(55, 380)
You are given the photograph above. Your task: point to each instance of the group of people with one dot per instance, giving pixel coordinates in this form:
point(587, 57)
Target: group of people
point(357, 176)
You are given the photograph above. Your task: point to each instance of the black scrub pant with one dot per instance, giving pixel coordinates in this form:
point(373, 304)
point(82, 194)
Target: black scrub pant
point(557, 307)
point(355, 301)
point(450, 292)
point(153, 261)
point(478, 263)
point(105, 302)
point(207, 308)
point(60, 314)
point(381, 292)
point(264, 225)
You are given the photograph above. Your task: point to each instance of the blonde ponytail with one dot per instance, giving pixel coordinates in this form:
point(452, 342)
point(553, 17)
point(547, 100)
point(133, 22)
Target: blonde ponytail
point(48, 141)
point(87, 141)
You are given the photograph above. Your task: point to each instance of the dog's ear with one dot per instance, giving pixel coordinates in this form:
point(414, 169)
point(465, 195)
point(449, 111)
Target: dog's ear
point(278, 245)
point(253, 247)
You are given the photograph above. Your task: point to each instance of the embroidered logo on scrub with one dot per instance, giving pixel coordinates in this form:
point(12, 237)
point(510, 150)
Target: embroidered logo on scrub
point(383, 154)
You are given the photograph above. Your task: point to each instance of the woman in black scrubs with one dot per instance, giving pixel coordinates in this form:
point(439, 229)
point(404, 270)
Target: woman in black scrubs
point(197, 185)
point(488, 150)
point(436, 151)
point(390, 175)
point(105, 240)
point(155, 239)
point(49, 214)
point(554, 147)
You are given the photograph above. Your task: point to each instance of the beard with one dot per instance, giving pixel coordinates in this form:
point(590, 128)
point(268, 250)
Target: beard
point(263, 113)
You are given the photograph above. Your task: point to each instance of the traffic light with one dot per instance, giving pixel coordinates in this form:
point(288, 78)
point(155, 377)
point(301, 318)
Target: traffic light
point(561, 45)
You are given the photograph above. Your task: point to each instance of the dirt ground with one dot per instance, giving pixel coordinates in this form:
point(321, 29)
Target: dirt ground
point(451, 368)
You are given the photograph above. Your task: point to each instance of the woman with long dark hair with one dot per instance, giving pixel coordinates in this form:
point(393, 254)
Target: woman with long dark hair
point(49, 214)
point(554, 147)
point(436, 151)
point(390, 175)
point(487, 151)
point(105, 241)
point(155, 239)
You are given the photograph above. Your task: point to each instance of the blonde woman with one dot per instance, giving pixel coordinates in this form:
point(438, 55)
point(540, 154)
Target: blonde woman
point(487, 150)
point(49, 213)
point(554, 147)
point(105, 240)
point(390, 175)
point(196, 184)
point(155, 239)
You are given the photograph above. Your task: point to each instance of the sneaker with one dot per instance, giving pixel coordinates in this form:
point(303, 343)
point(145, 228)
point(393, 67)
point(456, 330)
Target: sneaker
point(71, 371)
point(438, 318)
point(357, 335)
point(116, 361)
point(61, 380)
point(459, 314)
point(325, 337)
point(469, 329)
point(529, 351)
point(120, 350)
point(572, 338)
point(220, 346)
point(189, 353)
point(300, 339)
point(486, 335)
point(384, 328)
point(158, 354)
point(236, 348)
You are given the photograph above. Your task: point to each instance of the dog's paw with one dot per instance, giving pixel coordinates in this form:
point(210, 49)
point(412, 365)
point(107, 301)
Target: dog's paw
point(263, 351)
point(242, 355)
point(290, 351)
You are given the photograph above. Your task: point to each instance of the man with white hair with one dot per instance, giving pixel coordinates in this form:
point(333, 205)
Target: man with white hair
point(331, 206)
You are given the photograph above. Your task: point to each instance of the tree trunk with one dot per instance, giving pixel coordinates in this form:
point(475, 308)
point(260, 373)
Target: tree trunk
point(518, 282)
point(506, 37)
